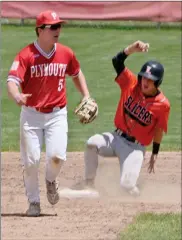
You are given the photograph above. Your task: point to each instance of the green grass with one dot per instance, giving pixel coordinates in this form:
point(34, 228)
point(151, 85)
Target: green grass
point(114, 24)
point(153, 227)
point(95, 48)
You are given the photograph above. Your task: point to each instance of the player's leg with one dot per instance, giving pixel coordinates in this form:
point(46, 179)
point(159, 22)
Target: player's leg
point(97, 145)
point(31, 139)
point(131, 157)
point(56, 145)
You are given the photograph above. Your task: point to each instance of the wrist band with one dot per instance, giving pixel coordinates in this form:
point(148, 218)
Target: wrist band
point(156, 147)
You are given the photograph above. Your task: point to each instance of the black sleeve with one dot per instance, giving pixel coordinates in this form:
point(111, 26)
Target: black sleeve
point(118, 62)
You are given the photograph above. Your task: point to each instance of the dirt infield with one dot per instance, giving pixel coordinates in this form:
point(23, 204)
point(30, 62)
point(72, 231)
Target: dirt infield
point(87, 219)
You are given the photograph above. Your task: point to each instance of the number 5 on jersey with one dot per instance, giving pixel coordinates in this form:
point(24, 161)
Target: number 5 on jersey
point(60, 85)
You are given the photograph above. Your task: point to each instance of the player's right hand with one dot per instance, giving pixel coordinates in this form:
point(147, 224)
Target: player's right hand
point(21, 98)
point(137, 46)
point(152, 162)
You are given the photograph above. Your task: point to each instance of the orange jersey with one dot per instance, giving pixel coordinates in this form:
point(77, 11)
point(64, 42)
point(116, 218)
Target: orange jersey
point(137, 115)
point(43, 75)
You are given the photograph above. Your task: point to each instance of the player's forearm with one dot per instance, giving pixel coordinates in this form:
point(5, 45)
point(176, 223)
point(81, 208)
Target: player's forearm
point(158, 135)
point(81, 84)
point(13, 90)
point(128, 50)
point(157, 140)
point(118, 62)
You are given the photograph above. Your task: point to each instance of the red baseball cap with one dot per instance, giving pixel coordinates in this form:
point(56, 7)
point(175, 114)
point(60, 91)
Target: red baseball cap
point(48, 18)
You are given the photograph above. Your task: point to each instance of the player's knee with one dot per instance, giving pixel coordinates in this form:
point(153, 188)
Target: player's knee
point(57, 161)
point(92, 142)
point(30, 158)
point(30, 168)
point(128, 181)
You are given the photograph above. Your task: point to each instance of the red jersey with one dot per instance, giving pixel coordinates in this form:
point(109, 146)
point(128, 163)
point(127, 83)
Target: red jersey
point(43, 75)
point(139, 116)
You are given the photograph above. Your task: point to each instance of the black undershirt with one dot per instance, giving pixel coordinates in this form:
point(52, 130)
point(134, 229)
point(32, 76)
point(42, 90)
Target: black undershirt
point(118, 64)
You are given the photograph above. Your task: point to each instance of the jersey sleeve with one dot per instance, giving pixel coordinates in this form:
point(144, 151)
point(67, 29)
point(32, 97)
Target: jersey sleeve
point(163, 119)
point(73, 66)
point(126, 79)
point(17, 70)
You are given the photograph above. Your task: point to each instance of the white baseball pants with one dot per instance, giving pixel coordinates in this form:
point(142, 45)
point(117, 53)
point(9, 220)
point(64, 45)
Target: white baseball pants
point(36, 129)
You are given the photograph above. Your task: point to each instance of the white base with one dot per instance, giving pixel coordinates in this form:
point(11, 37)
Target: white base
point(71, 194)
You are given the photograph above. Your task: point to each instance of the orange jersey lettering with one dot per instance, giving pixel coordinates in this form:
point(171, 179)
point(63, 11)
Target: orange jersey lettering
point(137, 115)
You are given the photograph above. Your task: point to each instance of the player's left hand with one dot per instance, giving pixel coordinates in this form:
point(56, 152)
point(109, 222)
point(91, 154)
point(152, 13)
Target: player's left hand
point(87, 110)
point(137, 46)
point(152, 161)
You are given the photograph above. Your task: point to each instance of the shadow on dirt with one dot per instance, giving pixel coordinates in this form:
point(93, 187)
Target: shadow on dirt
point(24, 215)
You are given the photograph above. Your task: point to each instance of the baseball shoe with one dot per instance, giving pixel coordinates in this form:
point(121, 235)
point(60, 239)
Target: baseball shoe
point(52, 192)
point(33, 210)
point(135, 192)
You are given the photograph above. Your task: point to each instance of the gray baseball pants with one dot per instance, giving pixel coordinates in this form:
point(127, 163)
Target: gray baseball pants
point(110, 144)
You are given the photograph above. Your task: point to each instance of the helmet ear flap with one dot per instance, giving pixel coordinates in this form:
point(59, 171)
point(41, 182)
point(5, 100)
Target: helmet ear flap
point(158, 83)
point(139, 78)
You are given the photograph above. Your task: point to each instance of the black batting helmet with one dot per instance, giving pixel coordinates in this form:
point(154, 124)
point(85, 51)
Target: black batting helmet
point(152, 70)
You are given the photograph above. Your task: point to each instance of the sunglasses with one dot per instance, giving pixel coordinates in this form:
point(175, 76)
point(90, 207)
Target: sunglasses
point(52, 27)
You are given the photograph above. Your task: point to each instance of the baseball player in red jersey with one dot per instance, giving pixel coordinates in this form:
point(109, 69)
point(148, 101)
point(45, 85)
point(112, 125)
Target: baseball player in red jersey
point(39, 70)
point(141, 118)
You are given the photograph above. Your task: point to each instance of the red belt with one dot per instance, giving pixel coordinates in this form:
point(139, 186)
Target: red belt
point(47, 109)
